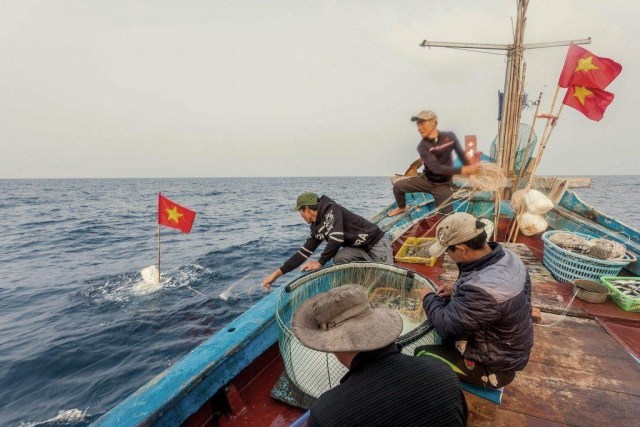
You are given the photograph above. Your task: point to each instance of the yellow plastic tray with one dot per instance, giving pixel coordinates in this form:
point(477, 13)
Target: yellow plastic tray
point(401, 256)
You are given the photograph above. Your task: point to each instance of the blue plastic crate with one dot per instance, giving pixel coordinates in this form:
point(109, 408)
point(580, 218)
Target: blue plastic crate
point(567, 266)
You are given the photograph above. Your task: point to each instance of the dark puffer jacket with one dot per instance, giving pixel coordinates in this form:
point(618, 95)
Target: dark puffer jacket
point(490, 307)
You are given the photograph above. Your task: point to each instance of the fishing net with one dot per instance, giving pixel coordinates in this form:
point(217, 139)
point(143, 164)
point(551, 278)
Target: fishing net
point(605, 249)
point(490, 177)
point(315, 372)
point(521, 150)
point(597, 248)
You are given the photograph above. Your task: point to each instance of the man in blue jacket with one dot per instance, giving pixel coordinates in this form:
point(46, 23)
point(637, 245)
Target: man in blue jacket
point(484, 318)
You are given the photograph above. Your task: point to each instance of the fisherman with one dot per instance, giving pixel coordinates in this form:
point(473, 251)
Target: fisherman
point(435, 152)
point(383, 387)
point(484, 318)
point(349, 237)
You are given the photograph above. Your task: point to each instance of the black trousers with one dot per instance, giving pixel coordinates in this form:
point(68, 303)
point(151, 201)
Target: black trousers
point(421, 184)
point(468, 371)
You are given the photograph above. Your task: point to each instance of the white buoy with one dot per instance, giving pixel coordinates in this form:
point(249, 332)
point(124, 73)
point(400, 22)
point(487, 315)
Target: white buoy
point(537, 203)
point(150, 274)
point(150, 281)
point(531, 224)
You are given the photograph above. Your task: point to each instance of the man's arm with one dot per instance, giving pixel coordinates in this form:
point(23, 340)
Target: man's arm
point(305, 251)
point(310, 245)
point(469, 311)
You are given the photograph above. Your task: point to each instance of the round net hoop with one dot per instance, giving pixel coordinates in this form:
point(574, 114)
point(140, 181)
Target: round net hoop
point(315, 372)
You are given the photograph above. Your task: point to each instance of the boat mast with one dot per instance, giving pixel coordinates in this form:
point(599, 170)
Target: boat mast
point(513, 86)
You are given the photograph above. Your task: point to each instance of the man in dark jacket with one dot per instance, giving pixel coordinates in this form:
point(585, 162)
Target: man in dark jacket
point(349, 237)
point(435, 151)
point(486, 324)
point(383, 387)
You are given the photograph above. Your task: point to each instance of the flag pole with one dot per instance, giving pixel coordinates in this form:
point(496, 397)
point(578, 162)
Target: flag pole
point(159, 280)
point(554, 123)
point(544, 136)
point(543, 141)
point(159, 196)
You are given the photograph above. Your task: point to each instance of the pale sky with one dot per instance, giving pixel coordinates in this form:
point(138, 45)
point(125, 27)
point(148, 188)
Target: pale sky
point(289, 88)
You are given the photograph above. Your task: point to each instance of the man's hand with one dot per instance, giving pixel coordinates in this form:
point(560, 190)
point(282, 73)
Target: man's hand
point(267, 281)
point(445, 290)
point(469, 170)
point(310, 266)
point(424, 292)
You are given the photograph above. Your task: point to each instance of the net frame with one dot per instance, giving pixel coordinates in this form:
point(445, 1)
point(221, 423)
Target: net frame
point(315, 372)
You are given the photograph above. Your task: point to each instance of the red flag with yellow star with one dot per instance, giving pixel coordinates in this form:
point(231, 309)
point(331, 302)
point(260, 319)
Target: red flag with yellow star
point(589, 101)
point(582, 68)
point(173, 215)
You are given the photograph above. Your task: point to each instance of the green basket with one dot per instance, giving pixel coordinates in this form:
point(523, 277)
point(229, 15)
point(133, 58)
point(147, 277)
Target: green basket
point(626, 302)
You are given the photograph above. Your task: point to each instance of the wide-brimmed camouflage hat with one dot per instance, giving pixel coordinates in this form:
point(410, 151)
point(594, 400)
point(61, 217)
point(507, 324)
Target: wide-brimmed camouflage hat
point(343, 319)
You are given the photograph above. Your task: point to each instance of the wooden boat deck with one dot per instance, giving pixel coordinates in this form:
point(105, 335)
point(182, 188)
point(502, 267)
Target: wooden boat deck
point(582, 370)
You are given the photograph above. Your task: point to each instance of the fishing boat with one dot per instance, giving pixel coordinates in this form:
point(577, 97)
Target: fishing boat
point(584, 367)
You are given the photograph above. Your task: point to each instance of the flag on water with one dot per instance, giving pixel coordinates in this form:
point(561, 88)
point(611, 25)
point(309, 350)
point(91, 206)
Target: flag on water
point(582, 68)
point(173, 215)
point(589, 101)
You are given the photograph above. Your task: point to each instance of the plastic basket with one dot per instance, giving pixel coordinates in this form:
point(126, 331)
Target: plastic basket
point(401, 256)
point(385, 295)
point(626, 302)
point(565, 265)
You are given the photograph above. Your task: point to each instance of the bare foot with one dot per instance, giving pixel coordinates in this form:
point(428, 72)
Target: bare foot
point(396, 211)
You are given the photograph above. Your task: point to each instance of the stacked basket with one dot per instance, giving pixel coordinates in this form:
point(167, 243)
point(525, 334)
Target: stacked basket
point(567, 266)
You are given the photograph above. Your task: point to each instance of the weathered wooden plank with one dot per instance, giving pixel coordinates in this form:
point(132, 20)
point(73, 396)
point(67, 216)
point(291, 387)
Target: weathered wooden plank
point(505, 418)
point(577, 375)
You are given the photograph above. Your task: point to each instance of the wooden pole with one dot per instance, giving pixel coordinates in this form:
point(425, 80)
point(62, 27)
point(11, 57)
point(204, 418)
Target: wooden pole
point(513, 231)
point(524, 158)
point(544, 135)
point(536, 162)
point(544, 144)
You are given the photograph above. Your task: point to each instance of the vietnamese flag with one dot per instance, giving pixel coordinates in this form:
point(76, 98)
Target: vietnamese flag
point(173, 215)
point(589, 101)
point(582, 68)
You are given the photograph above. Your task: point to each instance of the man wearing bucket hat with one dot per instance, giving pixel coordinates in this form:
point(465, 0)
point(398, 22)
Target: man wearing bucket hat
point(349, 237)
point(484, 318)
point(383, 387)
point(435, 151)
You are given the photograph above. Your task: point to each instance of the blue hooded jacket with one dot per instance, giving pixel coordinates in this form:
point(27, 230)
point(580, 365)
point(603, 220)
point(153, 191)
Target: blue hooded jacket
point(490, 308)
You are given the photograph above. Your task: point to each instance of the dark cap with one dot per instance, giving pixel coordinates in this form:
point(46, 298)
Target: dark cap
point(306, 199)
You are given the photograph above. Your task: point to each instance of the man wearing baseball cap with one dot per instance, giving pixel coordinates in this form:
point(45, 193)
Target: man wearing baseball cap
point(484, 318)
point(349, 237)
point(435, 151)
point(383, 387)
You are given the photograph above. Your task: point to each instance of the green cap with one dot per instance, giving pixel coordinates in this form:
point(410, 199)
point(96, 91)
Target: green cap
point(306, 199)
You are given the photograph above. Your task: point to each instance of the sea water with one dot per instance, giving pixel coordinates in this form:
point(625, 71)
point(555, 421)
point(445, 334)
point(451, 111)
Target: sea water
point(79, 332)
